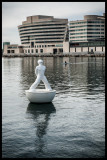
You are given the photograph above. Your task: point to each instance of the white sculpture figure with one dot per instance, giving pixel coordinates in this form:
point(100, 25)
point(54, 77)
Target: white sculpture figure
point(40, 95)
point(39, 71)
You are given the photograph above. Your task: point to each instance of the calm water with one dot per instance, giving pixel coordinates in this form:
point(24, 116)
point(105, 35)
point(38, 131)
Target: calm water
point(72, 126)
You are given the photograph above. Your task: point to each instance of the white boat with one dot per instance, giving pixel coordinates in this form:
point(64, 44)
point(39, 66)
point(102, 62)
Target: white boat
point(40, 95)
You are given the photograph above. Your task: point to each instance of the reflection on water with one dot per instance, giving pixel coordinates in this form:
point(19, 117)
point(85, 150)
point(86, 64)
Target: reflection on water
point(72, 126)
point(87, 71)
point(40, 113)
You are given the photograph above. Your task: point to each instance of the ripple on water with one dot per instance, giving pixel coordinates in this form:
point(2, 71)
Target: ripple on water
point(72, 126)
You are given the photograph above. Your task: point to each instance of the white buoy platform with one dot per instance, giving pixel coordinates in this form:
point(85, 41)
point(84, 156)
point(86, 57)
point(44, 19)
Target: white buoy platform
point(40, 95)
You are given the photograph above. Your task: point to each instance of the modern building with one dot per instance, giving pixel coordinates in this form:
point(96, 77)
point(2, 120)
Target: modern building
point(12, 48)
point(48, 35)
point(90, 29)
point(87, 35)
point(43, 34)
point(5, 43)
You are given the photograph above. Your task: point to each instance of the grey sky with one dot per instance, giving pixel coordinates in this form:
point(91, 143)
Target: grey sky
point(13, 13)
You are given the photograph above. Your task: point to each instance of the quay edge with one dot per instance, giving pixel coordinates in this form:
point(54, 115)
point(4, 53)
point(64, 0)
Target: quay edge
point(101, 54)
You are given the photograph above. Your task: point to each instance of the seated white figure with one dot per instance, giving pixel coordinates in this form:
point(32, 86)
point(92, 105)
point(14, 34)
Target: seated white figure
point(39, 71)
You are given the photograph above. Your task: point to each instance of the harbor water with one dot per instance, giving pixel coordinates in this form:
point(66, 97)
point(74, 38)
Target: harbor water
point(72, 126)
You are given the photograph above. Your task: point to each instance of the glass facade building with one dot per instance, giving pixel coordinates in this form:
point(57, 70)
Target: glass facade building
point(90, 29)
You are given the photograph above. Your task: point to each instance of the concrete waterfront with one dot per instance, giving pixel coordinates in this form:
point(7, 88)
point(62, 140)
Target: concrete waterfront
point(79, 54)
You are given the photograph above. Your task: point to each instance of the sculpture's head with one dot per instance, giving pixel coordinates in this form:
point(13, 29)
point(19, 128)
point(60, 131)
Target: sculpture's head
point(40, 61)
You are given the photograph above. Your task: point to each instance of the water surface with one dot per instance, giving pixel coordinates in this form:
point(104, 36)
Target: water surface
point(72, 126)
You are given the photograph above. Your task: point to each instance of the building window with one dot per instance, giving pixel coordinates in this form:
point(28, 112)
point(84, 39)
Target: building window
point(12, 51)
point(32, 44)
point(60, 50)
point(32, 50)
point(28, 50)
point(58, 45)
point(41, 50)
point(36, 50)
point(8, 51)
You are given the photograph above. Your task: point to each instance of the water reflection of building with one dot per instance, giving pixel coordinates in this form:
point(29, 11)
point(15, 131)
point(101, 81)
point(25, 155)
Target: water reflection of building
point(76, 74)
point(57, 73)
point(96, 73)
point(41, 114)
point(53, 65)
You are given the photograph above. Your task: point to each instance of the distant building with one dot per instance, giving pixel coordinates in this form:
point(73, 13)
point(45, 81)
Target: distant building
point(90, 29)
point(12, 48)
point(43, 34)
point(5, 43)
point(87, 35)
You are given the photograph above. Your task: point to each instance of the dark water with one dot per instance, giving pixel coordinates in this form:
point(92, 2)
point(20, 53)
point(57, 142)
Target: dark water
point(72, 126)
